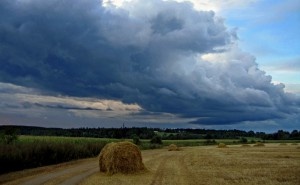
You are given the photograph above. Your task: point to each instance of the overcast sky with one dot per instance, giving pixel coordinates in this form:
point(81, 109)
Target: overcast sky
point(223, 64)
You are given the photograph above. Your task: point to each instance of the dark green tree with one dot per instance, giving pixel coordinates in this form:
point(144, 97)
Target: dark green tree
point(136, 139)
point(156, 140)
point(243, 140)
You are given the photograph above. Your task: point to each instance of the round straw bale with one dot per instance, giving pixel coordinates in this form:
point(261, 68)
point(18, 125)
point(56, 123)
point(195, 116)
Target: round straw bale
point(122, 157)
point(222, 145)
point(173, 147)
point(259, 144)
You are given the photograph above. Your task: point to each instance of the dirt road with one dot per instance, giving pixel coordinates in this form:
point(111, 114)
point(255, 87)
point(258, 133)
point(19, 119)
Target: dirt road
point(272, 164)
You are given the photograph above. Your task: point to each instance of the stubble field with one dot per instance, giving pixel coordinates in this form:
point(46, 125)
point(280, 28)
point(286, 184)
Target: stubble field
point(272, 164)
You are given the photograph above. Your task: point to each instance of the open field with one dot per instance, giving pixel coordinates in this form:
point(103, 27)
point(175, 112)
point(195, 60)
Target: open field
point(273, 164)
point(188, 142)
point(62, 139)
point(36, 151)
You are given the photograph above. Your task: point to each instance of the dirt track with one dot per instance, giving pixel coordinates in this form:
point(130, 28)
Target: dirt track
point(191, 166)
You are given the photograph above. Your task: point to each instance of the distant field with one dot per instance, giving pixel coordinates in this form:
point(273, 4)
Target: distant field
point(282, 141)
point(189, 142)
point(197, 142)
point(272, 164)
point(37, 151)
point(62, 139)
point(81, 140)
point(201, 142)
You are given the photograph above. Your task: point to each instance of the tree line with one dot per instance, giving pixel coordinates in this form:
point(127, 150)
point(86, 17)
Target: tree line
point(147, 133)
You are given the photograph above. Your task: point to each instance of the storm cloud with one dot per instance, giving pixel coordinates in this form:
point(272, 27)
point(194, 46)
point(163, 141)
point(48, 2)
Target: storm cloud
point(164, 56)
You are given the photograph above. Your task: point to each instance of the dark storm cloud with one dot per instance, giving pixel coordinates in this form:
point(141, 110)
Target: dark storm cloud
point(62, 106)
point(145, 53)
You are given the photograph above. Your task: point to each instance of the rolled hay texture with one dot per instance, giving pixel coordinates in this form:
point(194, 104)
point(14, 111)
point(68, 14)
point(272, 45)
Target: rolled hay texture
point(222, 145)
point(122, 157)
point(259, 144)
point(173, 147)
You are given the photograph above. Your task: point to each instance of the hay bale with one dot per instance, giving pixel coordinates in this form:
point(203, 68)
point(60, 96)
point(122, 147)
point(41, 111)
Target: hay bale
point(173, 147)
point(222, 145)
point(259, 144)
point(122, 157)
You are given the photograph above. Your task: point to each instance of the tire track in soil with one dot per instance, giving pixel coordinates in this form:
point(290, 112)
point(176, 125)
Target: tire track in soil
point(187, 175)
point(42, 179)
point(158, 176)
point(173, 170)
point(78, 178)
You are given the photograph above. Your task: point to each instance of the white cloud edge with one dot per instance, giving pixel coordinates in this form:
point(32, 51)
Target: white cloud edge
point(216, 5)
point(28, 95)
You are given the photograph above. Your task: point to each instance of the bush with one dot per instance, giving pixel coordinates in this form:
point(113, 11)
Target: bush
point(136, 140)
point(154, 146)
point(243, 140)
point(8, 136)
point(156, 140)
point(210, 142)
point(147, 146)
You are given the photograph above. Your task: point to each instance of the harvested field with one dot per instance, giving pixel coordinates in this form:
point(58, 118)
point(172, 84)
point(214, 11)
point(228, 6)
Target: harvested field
point(270, 165)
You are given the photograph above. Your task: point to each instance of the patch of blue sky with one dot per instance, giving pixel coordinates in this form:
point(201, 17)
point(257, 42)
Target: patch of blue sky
point(269, 29)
